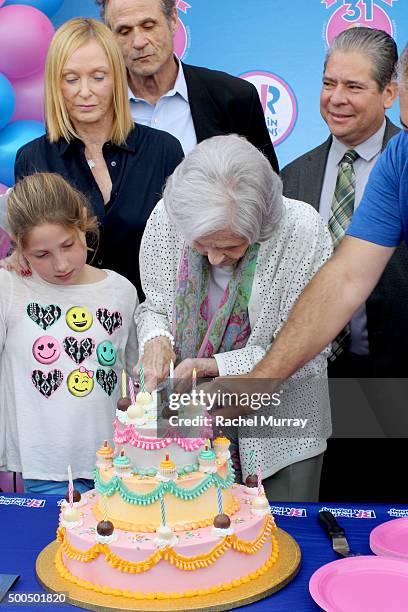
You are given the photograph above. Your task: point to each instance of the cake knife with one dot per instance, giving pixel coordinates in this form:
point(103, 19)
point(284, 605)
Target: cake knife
point(337, 534)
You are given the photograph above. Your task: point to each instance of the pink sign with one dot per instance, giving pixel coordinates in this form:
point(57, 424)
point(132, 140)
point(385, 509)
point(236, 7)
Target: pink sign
point(180, 40)
point(372, 17)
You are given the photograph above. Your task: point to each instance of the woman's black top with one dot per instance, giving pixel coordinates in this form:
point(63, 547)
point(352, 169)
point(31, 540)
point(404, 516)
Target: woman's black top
point(138, 170)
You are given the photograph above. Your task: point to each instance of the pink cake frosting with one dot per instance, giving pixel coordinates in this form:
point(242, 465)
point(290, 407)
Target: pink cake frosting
point(128, 434)
point(229, 567)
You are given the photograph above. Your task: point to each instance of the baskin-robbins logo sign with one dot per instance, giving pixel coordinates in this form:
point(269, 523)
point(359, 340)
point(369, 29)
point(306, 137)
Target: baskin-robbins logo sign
point(283, 511)
point(398, 512)
point(181, 37)
point(278, 103)
point(351, 512)
point(357, 13)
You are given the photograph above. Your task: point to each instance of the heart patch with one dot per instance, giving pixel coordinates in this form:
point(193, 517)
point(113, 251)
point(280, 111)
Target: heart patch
point(107, 380)
point(78, 350)
point(47, 383)
point(110, 321)
point(44, 316)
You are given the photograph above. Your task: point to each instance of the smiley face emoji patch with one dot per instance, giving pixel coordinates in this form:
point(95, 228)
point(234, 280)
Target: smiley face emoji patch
point(106, 353)
point(80, 382)
point(46, 349)
point(79, 318)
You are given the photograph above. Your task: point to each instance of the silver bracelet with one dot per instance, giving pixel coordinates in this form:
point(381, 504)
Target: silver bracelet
point(156, 333)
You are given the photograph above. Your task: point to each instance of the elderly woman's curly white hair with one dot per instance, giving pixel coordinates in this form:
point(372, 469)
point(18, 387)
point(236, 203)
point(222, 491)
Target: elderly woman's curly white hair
point(225, 182)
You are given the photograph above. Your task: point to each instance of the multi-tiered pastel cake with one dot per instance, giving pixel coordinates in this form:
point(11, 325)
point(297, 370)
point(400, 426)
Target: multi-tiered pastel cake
point(165, 519)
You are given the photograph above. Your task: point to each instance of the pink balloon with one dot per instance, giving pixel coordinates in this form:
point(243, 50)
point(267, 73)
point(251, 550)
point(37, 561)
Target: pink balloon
point(2, 2)
point(25, 35)
point(5, 244)
point(29, 97)
point(3, 188)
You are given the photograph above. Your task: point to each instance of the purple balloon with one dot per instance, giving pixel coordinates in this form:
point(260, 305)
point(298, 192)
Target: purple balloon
point(25, 35)
point(3, 188)
point(29, 94)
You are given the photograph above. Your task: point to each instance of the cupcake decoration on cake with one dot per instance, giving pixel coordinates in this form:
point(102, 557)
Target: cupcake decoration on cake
point(207, 460)
point(122, 465)
point(222, 522)
point(167, 470)
point(221, 446)
point(70, 517)
point(104, 456)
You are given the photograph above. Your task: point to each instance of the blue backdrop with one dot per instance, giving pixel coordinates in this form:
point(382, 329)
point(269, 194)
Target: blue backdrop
point(280, 45)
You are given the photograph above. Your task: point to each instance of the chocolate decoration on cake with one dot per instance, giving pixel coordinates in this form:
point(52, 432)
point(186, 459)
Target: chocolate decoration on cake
point(123, 404)
point(222, 521)
point(251, 481)
point(104, 528)
point(76, 496)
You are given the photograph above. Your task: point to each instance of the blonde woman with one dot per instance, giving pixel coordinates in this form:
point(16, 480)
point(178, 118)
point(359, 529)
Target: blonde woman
point(92, 141)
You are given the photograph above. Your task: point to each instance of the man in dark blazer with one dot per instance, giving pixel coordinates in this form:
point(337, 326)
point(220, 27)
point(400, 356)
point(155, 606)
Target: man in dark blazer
point(304, 178)
point(191, 103)
point(358, 86)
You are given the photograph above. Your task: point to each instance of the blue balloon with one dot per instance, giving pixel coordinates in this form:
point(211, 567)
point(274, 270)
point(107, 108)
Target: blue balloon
point(7, 101)
point(48, 7)
point(12, 137)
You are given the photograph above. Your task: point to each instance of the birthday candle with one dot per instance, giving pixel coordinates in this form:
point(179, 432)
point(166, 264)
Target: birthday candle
point(171, 369)
point(132, 391)
point(194, 379)
point(251, 461)
point(141, 376)
point(70, 487)
point(105, 508)
point(163, 510)
point(219, 498)
point(123, 384)
point(259, 481)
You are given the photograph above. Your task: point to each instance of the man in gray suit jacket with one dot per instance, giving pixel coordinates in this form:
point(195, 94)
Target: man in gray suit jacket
point(358, 86)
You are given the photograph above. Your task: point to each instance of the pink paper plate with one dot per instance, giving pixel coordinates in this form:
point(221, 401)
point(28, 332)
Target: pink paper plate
point(391, 539)
point(361, 584)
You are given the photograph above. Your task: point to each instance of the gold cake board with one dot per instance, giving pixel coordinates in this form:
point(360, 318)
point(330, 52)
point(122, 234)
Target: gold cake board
point(282, 572)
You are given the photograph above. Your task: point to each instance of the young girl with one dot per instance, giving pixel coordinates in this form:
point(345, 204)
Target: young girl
point(66, 333)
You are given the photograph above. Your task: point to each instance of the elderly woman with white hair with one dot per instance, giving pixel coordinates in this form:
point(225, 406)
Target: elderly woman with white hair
point(223, 259)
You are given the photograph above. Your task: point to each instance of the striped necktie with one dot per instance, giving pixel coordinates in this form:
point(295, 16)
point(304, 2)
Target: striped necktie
point(340, 216)
point(343, 200)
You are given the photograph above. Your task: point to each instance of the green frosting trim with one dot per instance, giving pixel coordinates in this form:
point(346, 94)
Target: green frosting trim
point(139, 499)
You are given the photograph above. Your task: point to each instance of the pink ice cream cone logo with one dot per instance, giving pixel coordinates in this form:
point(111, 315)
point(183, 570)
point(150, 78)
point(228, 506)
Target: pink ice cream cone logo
point(278, 103)
point(359, 13)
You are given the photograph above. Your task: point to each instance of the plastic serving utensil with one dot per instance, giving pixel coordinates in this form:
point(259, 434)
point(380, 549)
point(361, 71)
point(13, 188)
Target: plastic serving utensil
point(336, 533)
